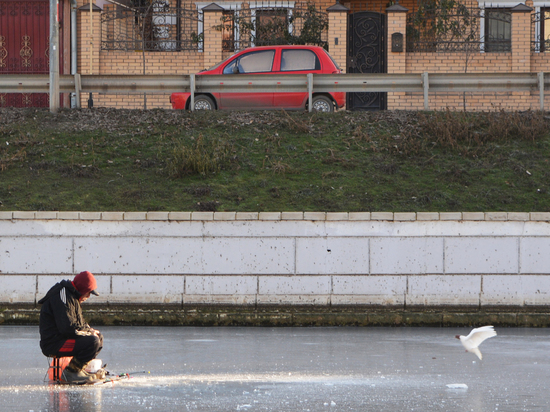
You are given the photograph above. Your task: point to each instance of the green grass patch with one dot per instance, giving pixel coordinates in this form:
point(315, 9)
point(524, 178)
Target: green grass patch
point(163, 160)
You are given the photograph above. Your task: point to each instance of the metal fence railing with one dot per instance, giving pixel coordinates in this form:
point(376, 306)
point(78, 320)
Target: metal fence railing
point(459, 28)
point(158, 26)
point(540, 31)
point(167, 25)
point(266, 23)
point(425, 83)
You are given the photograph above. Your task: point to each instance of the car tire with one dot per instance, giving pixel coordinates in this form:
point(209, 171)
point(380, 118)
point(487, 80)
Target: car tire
point(322, 104)
point(203, 102)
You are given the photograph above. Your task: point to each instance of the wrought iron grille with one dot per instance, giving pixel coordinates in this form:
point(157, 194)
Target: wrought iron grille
point(156, 26)
point(270, 23)
point(459, 28)
point(540, 31)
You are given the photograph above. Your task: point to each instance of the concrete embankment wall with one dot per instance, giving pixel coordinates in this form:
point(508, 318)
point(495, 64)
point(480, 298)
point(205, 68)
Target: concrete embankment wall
point(283, 268)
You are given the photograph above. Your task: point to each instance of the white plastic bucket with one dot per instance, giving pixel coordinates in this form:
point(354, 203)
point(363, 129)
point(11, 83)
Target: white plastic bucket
point(93, 366)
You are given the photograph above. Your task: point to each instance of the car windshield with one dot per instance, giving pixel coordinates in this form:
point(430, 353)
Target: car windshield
point(218, 64)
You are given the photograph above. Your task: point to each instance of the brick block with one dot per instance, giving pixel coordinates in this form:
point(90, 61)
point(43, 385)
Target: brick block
point(381, 215)
point(112, 215)
point(23, 215)
point(179, 216)
point(157, 215)
point(6, 215)
point(292, 215)
point(135, 215)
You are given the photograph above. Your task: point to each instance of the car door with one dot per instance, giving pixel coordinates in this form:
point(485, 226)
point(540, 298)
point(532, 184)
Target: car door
point(253, 62)
point(295, 61)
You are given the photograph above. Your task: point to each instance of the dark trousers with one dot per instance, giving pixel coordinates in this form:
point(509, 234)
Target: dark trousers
point(82, 348)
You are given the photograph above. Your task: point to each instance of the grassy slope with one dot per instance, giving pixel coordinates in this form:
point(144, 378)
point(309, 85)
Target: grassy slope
point(121, 160)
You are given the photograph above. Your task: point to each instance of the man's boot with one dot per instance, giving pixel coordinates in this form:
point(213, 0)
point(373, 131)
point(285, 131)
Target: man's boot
point(75, 373)
point(93, 368)
point(100, 374)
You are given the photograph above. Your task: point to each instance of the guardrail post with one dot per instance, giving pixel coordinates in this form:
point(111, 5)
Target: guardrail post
point(54, 57)
point(540, 77)
point(77, 88)
point(426, 85)
point(310, 91)
point(192, 88)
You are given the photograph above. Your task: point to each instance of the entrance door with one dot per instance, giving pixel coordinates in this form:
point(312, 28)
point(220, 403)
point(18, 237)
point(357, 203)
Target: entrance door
point(366, 54)
point(24, 46)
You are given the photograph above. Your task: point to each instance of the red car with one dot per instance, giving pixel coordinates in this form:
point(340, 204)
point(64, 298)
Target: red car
point(268, 60)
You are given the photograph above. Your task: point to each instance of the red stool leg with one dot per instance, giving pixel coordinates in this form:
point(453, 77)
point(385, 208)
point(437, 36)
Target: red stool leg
point(56, 370)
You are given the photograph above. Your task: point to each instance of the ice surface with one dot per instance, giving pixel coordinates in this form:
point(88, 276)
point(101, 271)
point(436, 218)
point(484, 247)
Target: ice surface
point(278, 369)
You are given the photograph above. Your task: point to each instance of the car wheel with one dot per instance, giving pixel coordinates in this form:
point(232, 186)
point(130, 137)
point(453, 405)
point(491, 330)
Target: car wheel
point(204, 103)
point(322, 104)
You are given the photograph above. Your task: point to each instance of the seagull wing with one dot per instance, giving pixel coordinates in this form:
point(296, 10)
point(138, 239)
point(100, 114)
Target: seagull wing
point(477, 352)
point(477, 336)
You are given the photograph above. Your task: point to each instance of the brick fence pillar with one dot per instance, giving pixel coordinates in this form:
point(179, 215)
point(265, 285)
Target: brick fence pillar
point(521, 43)
point(212, 38)
point(89, 39)
point(338, 34)
point(396, 53)
point(89, 45)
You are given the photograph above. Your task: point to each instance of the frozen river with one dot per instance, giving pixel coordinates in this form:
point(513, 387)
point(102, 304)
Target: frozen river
point(289, 369)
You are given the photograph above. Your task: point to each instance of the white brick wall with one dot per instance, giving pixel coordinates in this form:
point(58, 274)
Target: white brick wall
point(387, 259)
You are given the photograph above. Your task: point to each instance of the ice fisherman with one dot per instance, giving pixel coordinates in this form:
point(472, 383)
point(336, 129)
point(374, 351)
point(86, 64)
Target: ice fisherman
point(63, 331)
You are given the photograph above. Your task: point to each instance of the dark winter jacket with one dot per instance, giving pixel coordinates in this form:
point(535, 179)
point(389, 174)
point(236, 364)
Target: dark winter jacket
point(61, 317)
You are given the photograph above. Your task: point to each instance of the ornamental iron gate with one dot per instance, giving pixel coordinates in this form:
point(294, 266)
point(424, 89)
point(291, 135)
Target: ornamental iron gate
point(25, 46)
point(366, 54)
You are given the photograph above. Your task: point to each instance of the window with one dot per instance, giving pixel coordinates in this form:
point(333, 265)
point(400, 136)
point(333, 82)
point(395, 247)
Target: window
point(271, 22)
point(292, 60)
point(228, 31)
point(271, 26)
point(498, 30)
point(254, 62)
point(542, 28)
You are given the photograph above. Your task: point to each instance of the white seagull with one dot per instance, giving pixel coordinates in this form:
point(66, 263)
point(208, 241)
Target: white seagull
point(475, 338)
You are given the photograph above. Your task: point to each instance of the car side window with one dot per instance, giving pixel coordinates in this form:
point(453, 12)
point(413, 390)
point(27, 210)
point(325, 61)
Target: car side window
point(253, 62)
point(292, 60)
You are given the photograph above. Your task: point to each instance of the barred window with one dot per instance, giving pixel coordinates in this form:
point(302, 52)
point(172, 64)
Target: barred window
point(540, 24)
point(228, 31)
point(545, 30)
point(498, 30)
point(271, 26)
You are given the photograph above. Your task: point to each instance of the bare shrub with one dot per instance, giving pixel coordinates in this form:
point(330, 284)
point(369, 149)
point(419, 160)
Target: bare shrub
point(204, 156)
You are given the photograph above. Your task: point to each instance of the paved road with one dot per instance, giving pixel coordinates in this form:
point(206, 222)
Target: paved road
point(289, 369)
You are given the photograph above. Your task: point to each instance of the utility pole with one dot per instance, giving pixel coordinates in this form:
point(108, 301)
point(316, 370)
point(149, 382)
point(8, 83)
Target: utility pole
point(54, 56)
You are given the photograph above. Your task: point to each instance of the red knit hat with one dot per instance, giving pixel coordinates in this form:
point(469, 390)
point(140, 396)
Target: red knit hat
point(85, 282)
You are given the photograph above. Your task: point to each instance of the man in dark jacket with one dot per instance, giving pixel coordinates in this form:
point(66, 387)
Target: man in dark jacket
point(63, 331)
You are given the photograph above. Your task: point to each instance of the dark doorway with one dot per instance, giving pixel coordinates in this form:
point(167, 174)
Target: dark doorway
point(367, 54)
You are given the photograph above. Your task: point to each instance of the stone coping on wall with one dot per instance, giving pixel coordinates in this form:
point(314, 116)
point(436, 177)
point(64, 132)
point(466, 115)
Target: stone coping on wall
point(276, 216)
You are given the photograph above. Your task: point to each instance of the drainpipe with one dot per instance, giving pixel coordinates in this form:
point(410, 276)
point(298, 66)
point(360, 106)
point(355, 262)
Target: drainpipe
point(74, 48)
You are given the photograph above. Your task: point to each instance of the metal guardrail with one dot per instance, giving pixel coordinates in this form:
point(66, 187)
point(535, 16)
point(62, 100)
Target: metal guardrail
point(425, 83)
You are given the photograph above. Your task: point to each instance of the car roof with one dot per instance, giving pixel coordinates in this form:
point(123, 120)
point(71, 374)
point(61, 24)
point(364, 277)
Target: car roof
point(283, 46)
